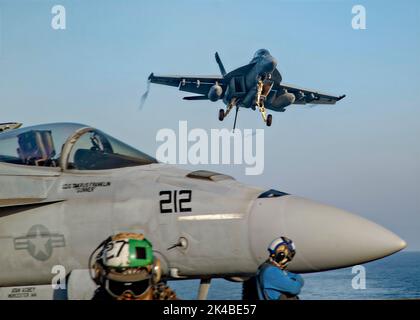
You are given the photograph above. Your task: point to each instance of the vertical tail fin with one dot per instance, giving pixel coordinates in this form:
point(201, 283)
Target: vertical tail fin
point(219, 62)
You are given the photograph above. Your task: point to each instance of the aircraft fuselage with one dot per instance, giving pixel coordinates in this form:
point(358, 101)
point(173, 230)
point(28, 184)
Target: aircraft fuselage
point(55, 209)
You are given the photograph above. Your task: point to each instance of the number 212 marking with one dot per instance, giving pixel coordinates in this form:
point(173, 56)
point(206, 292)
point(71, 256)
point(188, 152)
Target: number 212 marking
point(174, 202)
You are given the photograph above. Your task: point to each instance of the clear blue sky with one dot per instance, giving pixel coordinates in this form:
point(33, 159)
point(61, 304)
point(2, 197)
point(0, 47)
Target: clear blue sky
point(361, 155)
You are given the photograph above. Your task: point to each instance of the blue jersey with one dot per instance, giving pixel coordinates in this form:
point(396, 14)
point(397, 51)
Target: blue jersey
point(272, 282)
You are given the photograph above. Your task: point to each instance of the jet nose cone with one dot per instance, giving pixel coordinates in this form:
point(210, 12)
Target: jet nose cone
point(325, 237)
point(269, 64)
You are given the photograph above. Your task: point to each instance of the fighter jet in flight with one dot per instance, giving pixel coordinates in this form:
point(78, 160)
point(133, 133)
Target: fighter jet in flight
point(255, 85)
point(66, 187)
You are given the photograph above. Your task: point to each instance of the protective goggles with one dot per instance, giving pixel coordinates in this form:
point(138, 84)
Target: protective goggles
point(117, 289)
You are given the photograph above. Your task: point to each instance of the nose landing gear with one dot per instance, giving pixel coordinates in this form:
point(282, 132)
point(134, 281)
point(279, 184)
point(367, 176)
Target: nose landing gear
point(263, 89)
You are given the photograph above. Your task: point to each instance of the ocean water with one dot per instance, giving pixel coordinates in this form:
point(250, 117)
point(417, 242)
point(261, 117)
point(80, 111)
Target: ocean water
point(394, 277)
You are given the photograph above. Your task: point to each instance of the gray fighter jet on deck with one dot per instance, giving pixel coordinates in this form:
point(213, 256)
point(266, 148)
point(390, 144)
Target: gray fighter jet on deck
point(255, 85)
point(64, 188)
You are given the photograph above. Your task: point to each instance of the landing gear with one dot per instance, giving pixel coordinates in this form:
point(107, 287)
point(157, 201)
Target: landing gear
point(229, 107)
point(236, 116)
point(259, 91)
point(221, 114)
point(203, 290)
point(261, 108)
point(269, 120)
point(263, 89)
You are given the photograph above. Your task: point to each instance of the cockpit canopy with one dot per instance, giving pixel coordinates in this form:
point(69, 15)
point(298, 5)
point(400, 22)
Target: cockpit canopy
point(86, 148)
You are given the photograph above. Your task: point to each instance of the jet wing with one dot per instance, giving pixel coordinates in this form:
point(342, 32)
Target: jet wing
point(195, 84)
point(304, 96)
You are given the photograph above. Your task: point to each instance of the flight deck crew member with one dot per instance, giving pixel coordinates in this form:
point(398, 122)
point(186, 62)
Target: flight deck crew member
point(274, 282)
point(125, 269)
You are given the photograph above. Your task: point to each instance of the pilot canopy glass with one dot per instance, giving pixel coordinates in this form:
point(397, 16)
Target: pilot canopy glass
point(93, 150)
point(261, 52)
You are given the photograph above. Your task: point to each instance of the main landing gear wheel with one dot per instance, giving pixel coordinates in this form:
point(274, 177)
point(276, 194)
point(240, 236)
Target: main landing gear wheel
point(269, 120)
point(221, 114)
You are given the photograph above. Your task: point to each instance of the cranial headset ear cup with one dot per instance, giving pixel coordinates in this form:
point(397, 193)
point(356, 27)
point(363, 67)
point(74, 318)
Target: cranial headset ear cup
point(279, 256)
point(156, 271)
point(96, 274)
point(99, 272)
point(99, 276)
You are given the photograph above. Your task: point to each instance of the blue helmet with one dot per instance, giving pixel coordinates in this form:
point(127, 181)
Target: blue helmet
point(288, 252)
